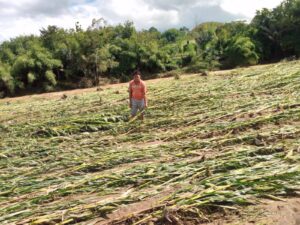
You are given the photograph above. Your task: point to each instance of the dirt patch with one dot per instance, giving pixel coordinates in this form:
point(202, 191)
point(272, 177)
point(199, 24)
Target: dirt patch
point(122, 213)
point(67, 93)
point(149, 144)
point(269, 213)
point(282, 213)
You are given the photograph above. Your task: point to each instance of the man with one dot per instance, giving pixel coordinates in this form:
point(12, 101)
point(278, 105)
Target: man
point(137, 95)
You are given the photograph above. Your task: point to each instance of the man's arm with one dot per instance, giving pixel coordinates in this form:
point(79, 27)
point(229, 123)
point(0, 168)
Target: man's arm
point(145, 96)
point(130, 96)
point(146, 101)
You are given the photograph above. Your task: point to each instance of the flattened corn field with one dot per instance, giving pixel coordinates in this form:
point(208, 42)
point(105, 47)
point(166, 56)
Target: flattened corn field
point(208, 145)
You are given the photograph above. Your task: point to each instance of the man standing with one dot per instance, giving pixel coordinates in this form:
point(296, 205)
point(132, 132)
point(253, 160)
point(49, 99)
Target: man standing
point(137, 95)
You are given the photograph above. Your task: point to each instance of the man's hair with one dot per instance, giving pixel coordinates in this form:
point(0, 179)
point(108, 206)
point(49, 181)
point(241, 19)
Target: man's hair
point(136, 72)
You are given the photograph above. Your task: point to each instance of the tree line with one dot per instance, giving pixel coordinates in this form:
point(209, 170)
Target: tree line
point(69, 58)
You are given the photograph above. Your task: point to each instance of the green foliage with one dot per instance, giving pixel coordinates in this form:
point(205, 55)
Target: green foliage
point(31, 78)
point(278, 34)
point(114, 52)
point(172, 35)
point(205, 33)
point(6, 54)
point(240, 51)
point(125, 31)
point(50, 77)
point(48, 87)
point(31, 67)
point(7, 83)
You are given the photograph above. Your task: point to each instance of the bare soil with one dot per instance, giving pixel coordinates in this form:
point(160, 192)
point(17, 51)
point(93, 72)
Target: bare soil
point(270, 212)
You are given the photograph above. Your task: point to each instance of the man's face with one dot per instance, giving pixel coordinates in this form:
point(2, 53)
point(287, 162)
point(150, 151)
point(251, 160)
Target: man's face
point(137, 78)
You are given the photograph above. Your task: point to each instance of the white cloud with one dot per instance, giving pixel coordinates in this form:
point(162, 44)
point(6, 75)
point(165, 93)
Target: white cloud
point(22, 22)
point(142, 14)
point(162, 14)
point(29, 16)
point(247, 8)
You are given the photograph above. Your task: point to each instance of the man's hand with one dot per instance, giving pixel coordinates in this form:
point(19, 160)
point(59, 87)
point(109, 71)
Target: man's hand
point(130, 104)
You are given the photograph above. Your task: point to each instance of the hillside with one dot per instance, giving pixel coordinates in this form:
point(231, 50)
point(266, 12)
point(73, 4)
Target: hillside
point(211, 148)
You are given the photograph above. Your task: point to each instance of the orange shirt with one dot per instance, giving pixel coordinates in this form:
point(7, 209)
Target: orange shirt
point(138, 91)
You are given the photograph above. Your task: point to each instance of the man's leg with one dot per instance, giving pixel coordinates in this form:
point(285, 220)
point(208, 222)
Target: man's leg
point(142, 108)
point(134, 108)
point(142, 116)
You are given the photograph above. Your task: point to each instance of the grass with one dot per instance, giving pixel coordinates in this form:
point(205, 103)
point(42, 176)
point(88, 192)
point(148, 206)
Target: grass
point(208, 144)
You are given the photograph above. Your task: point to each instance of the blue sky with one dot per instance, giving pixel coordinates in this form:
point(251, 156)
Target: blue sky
point(19, 17)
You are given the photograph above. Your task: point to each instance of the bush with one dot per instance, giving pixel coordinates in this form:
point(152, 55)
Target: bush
point(172, 66)
point(240, 52)
point(125, 78)
point(31, 78)
point(177, 76)
point(6, 80)
point(114, 80)
point(85, 82)
point(198, 67)
point(48, 88)
point(172, 73)
point(51, 78)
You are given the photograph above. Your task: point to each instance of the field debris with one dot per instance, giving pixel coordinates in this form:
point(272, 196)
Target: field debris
point(208, 145)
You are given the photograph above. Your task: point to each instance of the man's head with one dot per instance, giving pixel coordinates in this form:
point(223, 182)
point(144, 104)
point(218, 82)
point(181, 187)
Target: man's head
point(137, 76)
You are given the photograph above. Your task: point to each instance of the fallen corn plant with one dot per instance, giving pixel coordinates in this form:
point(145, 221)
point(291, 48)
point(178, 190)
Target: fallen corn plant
point(227, 141)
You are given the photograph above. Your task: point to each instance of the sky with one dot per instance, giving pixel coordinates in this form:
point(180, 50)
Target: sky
point(22, 17)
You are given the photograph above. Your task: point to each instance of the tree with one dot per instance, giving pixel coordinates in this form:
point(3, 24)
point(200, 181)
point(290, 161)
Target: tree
point(240, 52)
point(104, 62)
point(172, 35)
point(125, 31)
point(267, 34)
point(7, 84)
point(35, 67)
point(205, 33)
point(278, 30)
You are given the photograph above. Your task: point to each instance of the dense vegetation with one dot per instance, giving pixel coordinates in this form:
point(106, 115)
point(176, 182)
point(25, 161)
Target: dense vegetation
point(229, 140)
point(61, 58)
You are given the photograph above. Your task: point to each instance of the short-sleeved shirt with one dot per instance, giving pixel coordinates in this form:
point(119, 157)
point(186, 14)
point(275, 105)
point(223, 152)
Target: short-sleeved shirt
point(138, 91)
